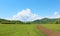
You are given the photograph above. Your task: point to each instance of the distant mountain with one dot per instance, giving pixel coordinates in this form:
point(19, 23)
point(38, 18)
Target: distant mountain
point(5, 21)
point(39, 21)
point(44, 21)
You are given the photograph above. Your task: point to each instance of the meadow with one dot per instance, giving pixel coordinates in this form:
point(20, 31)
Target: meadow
point(19, 30)
point(53, 27)
point(25, 29)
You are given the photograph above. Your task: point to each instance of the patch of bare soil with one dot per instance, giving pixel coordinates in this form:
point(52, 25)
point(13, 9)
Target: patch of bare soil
point(48, 32)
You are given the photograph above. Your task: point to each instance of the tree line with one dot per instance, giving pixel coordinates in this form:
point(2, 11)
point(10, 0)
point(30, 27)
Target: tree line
point(39, 21)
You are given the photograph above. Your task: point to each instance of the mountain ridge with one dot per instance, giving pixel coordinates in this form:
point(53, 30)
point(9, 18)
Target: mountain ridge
point(38, 21)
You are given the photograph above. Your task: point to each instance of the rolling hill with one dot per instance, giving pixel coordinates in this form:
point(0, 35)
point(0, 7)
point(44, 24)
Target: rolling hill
point(38, 21)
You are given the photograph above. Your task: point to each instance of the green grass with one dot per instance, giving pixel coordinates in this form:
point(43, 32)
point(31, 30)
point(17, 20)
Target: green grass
point(25, 30)
point(53, 27)
point(19, 30)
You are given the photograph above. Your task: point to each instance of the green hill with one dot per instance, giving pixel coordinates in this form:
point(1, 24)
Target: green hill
point(45, 21)
point(4, 21)
point(39, 21)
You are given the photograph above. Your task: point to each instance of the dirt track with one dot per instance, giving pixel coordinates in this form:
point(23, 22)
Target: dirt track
point(47, 31)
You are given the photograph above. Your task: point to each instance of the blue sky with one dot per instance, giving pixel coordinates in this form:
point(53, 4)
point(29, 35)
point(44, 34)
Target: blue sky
point(43, 8)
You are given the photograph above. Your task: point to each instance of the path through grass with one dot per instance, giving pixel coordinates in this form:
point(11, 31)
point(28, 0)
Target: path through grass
point(53, 27)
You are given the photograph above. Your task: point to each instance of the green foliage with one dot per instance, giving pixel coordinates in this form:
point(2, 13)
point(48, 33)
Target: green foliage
point(39, 21)
point(57, 21)
point(4, 21)
point(44, 21)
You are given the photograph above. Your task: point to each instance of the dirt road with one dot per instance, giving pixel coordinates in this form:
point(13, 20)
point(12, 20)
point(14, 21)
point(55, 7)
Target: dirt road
point(47, 31)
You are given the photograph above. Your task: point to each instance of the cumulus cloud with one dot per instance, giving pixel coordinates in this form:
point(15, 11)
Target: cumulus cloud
point(55, 15)
point(26, 15)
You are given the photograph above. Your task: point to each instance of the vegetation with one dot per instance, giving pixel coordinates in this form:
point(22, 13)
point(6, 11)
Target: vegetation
point(25, 30)
point(53, 27)
point(45, 21)
point(58, 21)
point(19, 30)
point(7, 27)
point(4, 21)
point(40, 21)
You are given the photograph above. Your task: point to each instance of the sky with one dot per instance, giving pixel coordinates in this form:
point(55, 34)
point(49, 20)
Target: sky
point(29, 10)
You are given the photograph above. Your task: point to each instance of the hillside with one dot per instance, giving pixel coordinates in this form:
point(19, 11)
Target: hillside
point(4, 21)
point(39, 21)
point(47, 21)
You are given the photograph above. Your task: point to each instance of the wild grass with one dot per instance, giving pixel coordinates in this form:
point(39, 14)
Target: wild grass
point(53, 27)
point(19, 30)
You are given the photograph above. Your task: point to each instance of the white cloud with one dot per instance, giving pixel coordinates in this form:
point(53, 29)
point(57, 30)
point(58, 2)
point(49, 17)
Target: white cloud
point(55, 15)
point(26, 15)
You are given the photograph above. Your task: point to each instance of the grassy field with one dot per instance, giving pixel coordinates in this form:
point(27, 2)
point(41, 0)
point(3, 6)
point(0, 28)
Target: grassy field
point(53, 27)
point(19, 30)
point(25, 30)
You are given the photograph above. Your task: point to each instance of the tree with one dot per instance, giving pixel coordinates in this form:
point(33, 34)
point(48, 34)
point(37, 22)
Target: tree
point(57, 21)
